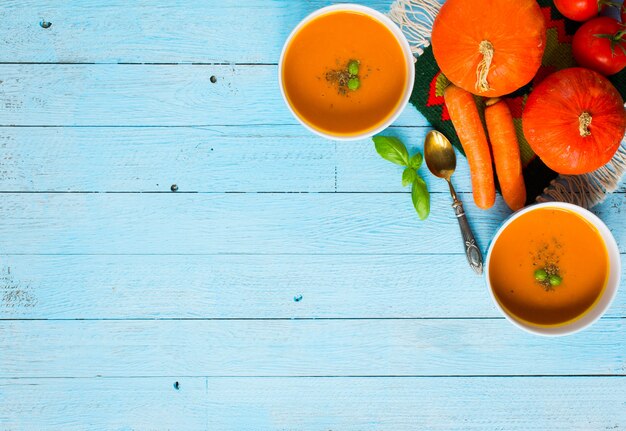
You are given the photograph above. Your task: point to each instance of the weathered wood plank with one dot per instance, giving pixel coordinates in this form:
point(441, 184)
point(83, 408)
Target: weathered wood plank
point(229, 286)
point(240, 223)
point(251, 31)
point(147, 95)
point(205, 159)
point(518, 404)
point(75, 348)
point(103, 404)
point(418, 404)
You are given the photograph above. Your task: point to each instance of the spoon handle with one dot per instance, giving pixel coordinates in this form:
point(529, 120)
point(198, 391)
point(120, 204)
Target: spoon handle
point(472, 252)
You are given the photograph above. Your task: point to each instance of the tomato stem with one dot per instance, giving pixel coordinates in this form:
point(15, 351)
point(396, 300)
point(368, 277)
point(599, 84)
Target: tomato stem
point(616, 40)
point(619, 35)
point(609, 3)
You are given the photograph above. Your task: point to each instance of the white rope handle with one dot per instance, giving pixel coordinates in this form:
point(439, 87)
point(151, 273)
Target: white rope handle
point(415, 18)
point(589, 189)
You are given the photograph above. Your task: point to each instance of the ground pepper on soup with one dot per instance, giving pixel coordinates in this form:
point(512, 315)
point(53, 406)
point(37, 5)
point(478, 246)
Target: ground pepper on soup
point(563, 245)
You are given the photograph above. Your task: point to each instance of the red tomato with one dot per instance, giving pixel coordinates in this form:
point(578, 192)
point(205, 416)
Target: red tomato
point(600, 45)
point(579, 10)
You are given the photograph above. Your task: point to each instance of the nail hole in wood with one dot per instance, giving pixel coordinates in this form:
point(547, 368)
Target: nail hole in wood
point(297, 298)
point(176, 385)
point(174, 187)
point(213, 79)
point(45, 24)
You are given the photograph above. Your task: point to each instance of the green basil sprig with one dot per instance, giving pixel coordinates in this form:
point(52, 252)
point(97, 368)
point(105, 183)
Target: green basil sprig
point(393, 150)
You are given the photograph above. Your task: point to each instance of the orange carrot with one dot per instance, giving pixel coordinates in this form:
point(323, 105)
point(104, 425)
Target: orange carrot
point(466, 121)
point(505, 153)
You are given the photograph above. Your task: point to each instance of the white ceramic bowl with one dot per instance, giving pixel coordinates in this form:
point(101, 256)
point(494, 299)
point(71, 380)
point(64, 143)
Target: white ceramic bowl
point(607, 295)
point(406, 49)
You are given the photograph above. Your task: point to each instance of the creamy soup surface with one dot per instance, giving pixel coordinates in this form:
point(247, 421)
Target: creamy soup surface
point(323, 48)
point(549, 267)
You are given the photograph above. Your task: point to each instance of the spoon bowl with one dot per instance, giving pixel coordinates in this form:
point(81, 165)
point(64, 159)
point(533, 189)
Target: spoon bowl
point(439, 155)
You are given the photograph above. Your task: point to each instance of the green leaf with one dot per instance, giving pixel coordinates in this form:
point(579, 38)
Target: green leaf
point(408, 176)
point(420, 197)
point(416, 161)
point(392, 149)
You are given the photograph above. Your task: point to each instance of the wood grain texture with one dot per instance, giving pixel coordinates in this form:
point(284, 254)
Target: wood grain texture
point(419, 403)
point(238, 223)
point(298, 257)
point(203, 159)
point(103, 404)
point(244, 404)
point(122, 348)
point(160, 31)
point(147, 95)
point(237, 286)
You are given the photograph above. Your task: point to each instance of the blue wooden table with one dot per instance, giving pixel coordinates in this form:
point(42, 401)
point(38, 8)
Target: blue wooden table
point(287, 283)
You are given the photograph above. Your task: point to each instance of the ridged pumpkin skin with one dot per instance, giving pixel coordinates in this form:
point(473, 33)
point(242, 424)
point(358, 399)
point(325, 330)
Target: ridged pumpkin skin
point(516, 30)
point(551, 121)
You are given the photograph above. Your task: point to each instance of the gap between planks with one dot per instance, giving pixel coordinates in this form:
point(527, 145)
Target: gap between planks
point(245, 319)
point(145, 63)
point(356, 376)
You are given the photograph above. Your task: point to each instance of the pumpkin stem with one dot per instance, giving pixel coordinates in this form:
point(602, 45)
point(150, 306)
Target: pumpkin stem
point(486, 49)
point(584, 121)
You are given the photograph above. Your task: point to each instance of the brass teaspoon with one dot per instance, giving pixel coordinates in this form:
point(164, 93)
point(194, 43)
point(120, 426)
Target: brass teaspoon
point(441, 161)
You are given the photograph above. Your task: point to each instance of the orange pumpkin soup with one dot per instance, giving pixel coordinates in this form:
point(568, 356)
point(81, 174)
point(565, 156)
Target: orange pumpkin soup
point(316, 73)
point(548, 267)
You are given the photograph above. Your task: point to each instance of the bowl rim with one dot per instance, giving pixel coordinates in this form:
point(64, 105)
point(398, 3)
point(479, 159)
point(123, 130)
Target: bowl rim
point(608, 294)
point(400, 38)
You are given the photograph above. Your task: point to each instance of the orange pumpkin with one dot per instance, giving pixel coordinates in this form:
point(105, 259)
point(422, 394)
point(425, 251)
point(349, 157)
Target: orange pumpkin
point(489, 47)
point(574, 120)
